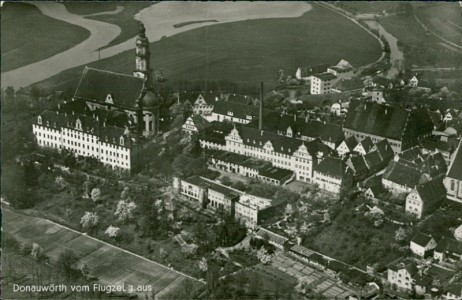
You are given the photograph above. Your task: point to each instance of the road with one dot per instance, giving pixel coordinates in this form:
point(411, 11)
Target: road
point(159, 20)
point(109, 263)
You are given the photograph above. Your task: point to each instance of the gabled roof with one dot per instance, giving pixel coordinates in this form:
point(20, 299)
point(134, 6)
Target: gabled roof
point(358, 164)
point(402, 174)
point(325, 76)
point(421, 239)
point(377, 190)
point(455, 289)
point(409, 265)
point(332, 166)
point(200, 122)
point(431, 191)
point(275, 173)
point(373, 159)
point(351, 142)
point(455, 169)
point(96, 84)
point(449, 245)
point(367, 144)
point(384, 149)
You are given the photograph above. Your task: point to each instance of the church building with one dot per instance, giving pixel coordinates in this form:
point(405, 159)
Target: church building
point(109, 116)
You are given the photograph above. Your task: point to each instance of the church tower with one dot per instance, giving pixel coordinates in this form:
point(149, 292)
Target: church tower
point(142, 56)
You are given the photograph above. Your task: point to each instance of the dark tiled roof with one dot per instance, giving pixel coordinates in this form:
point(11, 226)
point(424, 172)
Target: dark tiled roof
point(200, 122)
point(373, 159)
point(409, 265)
point(455, 169)
point(206, 183)
point(244, 99)
point(241, 160)
point(358, 164)
point(384, 149)
point(377, 190)
point(216, 132)
point(332, 166)
point(402, 174)
point(315, 257)
point(325, 76)
point(421, 239)
point(449, 245)
point(351, 142)
point(276, 173)
point(367, 144)
point(274, 237)
point(337, 266)
point(455, 289)
point(95, 85)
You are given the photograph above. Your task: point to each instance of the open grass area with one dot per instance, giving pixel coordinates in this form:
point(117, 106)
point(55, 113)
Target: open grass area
point(443, 18)
point(247, 52)
point(29, 36)
point(363, 7)
point(107, 263)
point(420, 48)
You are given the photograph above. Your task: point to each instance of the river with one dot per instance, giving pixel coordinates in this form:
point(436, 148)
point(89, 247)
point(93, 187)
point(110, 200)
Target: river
point(396, 55)
point(158, 19)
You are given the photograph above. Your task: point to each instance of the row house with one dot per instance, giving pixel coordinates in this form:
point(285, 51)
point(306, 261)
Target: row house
point(283, 152)
point(401, 127)
point(216, 197)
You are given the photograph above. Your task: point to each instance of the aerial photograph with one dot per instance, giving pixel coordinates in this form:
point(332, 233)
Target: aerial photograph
point(231, 150)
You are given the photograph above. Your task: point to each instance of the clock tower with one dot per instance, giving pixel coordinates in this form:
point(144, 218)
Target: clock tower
point(142, 57)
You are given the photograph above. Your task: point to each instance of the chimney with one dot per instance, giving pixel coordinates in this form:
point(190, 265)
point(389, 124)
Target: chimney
point(295, 117)
point(260, 119)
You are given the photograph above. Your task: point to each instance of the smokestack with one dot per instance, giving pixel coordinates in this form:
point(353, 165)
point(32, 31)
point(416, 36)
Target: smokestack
point(260, 119)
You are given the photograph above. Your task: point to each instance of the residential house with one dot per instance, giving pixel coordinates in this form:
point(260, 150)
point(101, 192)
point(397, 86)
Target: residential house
point(453, 180)
point(421, 243)
point(400, 275)
point(194, 124)
point(343, 70)
point(425, 198)
point(364, 146)
point(347, 146)
point(205, 102)
point(458, 233)
point(454, 291)
point(332, 174)
point(443, 142)
point(401, 127)
point(448, 250)
point(358, 166)
point(414, 82)
point(378, 95)
point(340, 108)
point(450, 115)
point(322, 83)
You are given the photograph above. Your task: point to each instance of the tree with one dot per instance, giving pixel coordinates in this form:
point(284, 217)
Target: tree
point(66, 262)
point(89, 220)
point(263, 256)
point(125, 193)
point(203, 264)
point(289, 209)
point(37, 251)
point(95, 194)
point(400, 235)
point(124, 211)
point(112, 231)
point(189, 249)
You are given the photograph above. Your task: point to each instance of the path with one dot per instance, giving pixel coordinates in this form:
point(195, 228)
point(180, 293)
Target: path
point(159, 20)
point(109, 263)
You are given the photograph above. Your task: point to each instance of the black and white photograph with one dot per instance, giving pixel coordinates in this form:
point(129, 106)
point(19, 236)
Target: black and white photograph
point(208, 150)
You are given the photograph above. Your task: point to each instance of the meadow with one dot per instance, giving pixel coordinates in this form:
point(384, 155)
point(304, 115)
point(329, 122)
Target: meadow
point(443, 19)
point(247, 51)
point(29, 36)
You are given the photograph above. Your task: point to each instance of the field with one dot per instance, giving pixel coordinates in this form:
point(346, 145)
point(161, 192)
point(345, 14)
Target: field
point(247, 52)
point(374, 7)
point(108, 263)
point(29, 36)
point(88, 8)
point(443, 19)
point(420, 48)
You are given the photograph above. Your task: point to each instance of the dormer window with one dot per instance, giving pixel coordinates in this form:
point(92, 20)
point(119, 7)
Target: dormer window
point(78, 124)
point(121, 140)
point(54, 124)
point(114, 140)
point(39, 120)
point(48, 123)
point(106, 139)
point(230, 113)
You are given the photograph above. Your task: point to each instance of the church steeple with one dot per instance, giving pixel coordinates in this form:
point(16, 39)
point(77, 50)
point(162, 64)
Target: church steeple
point(142, 56)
